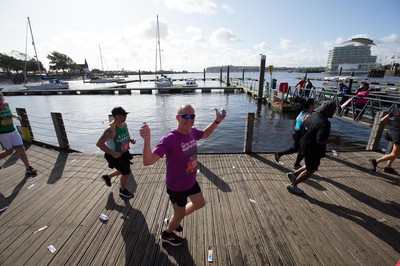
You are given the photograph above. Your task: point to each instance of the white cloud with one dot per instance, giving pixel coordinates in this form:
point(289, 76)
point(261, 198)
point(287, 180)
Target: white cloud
point(227, 8)
point(392, 38)
point(205, 7)
point(222, 36)
point(261, 46)
point(193, 30)
point(286, 43)
point(339, 40)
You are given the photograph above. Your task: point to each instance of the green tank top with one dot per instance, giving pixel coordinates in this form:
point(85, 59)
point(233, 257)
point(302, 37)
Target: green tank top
point(120, 142)
point(6, 121)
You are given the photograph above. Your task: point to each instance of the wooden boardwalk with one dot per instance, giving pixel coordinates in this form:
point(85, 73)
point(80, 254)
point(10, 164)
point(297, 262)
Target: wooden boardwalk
point(350, 216)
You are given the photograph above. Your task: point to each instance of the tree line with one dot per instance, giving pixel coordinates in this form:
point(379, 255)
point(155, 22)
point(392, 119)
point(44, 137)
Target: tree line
point(11, 66)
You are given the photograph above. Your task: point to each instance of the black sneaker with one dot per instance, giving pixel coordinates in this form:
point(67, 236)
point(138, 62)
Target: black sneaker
point(389, 170)
point(179, 228)
point(171, 238)
point(291, 177)
point(297, 166)
point(30, 170)
point(125, 194)
point(374, 164)
point(277, 157)
point(106, 180)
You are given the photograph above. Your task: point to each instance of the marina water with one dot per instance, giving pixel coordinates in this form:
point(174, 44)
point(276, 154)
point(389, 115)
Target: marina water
point(86, 116)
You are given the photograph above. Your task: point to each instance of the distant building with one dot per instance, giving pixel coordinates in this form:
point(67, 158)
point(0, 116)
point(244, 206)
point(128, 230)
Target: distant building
point(351, 56)
point(84, 68)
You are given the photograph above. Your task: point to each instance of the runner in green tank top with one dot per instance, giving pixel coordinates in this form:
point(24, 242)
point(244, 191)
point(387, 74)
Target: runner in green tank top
point(115, 144)
point(10, 139)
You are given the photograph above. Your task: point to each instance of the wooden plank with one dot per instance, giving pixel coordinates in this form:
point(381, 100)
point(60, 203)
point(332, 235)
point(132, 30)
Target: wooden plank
point(249, 219)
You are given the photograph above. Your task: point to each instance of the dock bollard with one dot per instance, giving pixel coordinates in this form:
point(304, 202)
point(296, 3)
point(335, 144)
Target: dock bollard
point(248, 134)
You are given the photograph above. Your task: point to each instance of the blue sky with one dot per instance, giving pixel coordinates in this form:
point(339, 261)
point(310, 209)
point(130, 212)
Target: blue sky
point(199, 33)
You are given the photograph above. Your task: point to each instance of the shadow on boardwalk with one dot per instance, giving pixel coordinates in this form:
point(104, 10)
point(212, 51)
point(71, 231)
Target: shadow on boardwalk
point(350, 216)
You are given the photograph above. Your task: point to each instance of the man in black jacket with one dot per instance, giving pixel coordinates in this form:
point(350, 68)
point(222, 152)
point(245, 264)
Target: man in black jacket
point(313, 144)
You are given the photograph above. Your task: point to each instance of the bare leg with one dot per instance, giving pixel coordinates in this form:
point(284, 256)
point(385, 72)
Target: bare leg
point(5, 153)
point(22, 155)
point(114, 174)
point(124, 181)
point(176, 218)
point(390, 157)
point(304, 175)
point(196, 202)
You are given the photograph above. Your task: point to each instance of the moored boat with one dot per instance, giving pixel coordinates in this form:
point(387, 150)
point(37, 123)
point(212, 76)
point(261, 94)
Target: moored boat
point(52, 84)
point(191, 83)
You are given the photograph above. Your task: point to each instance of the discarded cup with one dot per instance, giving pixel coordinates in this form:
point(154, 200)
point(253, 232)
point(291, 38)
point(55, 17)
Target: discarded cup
point(210, 254)
point(103, 217)
point(51, 248)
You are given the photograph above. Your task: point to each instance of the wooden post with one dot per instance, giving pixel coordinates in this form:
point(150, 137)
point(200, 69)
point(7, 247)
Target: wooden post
point(261, 78)
point(227, 77)
point(350, 84)
point(376, 132)
point(60, 130)
point(220, 75)
point(243, 74)
point(248, 134)
point(204, 74)
point(140, 76)
point(25, 121)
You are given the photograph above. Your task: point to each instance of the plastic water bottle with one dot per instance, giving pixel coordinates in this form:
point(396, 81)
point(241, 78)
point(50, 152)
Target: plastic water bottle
point(334, 153)
point(222, 112)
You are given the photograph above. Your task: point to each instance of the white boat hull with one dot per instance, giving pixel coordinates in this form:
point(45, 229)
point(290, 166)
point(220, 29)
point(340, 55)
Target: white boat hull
point(48, 86)
point(164, 84)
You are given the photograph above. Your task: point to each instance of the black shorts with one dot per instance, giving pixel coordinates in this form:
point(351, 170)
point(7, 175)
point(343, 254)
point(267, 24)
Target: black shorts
point(122, 164)
point(312, 162)
point(180, 198)
point(392, 136)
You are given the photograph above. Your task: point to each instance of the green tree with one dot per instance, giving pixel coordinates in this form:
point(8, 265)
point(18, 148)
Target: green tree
point(59, 61)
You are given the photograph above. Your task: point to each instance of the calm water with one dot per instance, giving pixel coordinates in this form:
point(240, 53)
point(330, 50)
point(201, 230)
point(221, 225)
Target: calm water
point(86, 117)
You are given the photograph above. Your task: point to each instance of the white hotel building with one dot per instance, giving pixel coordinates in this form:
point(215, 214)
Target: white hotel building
point(351, 56)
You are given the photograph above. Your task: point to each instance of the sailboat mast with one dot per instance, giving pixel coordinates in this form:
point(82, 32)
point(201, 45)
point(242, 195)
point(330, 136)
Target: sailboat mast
point(159, 45)
point(26, 54)
point(34, 46)
point(101, 58)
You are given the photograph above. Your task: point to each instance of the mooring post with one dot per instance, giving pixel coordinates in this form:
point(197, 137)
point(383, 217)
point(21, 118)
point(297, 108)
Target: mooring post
point(60, 130)
point(140, 76)
point(248, 134)
point(227, 77)
point(204, 74)
point(376, 132)
point(25, 122)
point(261, 78)
point(220, 75)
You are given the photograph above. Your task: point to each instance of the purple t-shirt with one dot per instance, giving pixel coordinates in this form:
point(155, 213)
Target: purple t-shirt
point(181, 158)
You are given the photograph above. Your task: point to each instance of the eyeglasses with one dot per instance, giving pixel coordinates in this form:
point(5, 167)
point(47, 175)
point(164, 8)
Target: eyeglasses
point(187, 116)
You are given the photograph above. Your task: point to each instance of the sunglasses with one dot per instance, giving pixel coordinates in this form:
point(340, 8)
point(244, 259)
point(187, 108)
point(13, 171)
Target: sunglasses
point(187, 116)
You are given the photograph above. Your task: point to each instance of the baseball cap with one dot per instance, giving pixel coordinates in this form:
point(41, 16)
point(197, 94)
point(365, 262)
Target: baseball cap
point(118, 111)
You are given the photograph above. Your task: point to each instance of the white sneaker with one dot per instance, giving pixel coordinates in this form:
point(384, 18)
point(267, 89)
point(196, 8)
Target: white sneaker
point(294, 189)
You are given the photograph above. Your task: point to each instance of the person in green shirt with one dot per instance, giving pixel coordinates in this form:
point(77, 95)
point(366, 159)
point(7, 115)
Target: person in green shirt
point(10, 139)
point(115, 144)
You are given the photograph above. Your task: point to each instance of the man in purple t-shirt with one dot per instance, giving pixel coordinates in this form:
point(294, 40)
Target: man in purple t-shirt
point(180, 148)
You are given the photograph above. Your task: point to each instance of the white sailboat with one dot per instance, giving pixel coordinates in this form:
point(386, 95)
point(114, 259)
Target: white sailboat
point(163, 81)
point(101, 78)
point(46, 83)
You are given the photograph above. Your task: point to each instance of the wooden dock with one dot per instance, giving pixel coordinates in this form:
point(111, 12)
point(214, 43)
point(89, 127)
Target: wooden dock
point(350, 216)
point(116, 89)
